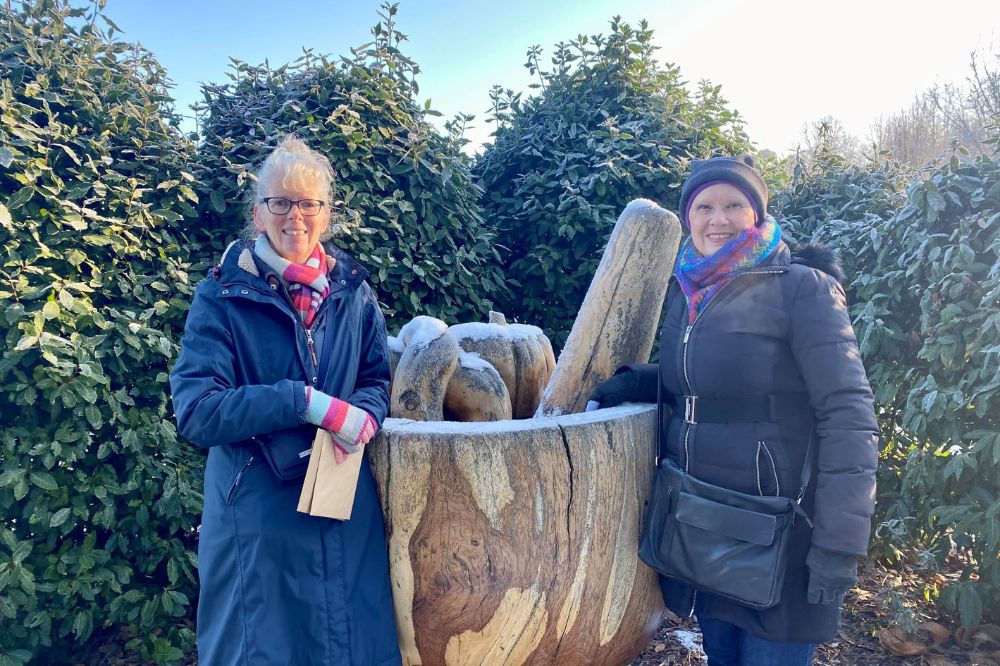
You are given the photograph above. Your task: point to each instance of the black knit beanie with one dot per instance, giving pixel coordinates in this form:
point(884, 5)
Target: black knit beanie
point(738, 171)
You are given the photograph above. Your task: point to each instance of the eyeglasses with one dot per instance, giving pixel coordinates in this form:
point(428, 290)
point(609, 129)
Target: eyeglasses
point(281, 205)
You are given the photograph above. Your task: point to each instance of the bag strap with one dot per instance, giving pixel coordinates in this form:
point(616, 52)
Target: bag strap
point(325, 353)
point(659, 413)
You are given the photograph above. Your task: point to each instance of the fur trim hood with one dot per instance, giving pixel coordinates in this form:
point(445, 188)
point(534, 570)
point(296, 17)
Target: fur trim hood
point(820, 257)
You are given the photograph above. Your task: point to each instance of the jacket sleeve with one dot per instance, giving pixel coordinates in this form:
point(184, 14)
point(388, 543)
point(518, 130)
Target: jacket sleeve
point(645, 376)
point(210, 405)
point(828, 358)
point(371, 389)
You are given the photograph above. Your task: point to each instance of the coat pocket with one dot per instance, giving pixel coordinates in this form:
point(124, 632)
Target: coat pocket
point(236, 480)
point(768, 479)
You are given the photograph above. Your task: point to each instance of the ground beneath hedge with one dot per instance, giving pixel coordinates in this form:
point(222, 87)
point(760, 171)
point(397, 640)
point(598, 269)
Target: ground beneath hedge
point(874, 612)
point(871, 633)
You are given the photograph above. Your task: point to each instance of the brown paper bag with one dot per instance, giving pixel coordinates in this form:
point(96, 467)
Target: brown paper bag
point(309, 483)
point(328, 489)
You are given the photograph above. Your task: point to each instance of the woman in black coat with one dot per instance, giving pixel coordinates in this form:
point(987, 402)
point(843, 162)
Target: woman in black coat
point(758, 358)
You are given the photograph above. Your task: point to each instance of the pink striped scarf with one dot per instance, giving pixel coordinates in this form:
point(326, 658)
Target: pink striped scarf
point(307, 283)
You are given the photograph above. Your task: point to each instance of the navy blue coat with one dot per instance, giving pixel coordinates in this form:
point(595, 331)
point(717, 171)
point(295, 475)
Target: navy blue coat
point(278, 586)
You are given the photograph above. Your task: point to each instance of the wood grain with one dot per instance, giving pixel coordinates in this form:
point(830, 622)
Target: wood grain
point(514, 542)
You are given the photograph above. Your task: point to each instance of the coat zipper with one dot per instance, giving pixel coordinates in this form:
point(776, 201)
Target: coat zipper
point(687, 379)
point(309, 337)
point(236, 481)
point(687, 337)
point(312, 348)
point(762, 445)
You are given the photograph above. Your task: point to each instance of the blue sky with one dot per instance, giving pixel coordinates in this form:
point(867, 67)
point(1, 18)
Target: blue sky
point(781, 63)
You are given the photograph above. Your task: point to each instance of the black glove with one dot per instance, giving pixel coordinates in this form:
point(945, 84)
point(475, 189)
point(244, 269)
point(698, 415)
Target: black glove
point(619, 388)
point(831, 574)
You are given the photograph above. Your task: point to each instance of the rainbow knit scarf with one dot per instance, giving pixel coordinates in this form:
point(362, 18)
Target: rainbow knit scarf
point(701, 277)
point(307, 284)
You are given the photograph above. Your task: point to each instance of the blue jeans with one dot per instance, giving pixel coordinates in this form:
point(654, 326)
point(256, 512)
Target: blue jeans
point(729, 645)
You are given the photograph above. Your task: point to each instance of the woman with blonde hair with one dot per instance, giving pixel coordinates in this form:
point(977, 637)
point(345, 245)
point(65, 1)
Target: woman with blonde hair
point(284, 337)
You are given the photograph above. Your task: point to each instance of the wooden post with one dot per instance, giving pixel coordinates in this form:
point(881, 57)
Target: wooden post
point(617, 322)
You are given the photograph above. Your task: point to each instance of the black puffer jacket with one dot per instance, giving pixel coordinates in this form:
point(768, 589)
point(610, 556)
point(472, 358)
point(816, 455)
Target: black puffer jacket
point(780, 329)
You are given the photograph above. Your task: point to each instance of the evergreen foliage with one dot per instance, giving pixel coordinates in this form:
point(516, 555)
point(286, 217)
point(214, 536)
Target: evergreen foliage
point(99, 498)
point(408, 209)
point(109, 215)
point(925, 286)
point(608, 124)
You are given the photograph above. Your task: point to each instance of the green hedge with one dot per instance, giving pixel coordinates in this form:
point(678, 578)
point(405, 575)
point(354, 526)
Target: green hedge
point(925, 288)
point(99, 498)
point(408, 208)
point(608, 124)
point(108, 216)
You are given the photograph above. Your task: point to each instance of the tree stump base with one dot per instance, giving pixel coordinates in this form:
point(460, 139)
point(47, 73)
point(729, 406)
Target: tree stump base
point(514, 542)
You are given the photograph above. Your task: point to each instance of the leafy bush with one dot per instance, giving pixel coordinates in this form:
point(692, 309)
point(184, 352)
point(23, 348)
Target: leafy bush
point(408, 205)
point(99, 499)
point(930, 320)
point(609, 124)
point(842, 205)
point(926, 306)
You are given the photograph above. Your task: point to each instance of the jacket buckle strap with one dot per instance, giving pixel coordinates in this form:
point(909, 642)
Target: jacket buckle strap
point(690, 402)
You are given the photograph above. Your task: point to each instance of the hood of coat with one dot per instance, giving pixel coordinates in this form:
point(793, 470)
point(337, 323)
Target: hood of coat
point(812, 255)
point(238, 264)
point(820, 257)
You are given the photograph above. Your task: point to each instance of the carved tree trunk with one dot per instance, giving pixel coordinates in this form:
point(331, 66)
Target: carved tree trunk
point(617, 322)
point(514, 542)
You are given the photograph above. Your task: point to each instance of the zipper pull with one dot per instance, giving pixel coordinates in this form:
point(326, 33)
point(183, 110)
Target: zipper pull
point(236, 481)
point(312, 349)
point(687, 332)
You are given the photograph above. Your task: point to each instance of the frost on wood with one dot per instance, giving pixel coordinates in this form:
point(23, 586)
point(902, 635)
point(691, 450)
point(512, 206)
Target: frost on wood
point(468, 372)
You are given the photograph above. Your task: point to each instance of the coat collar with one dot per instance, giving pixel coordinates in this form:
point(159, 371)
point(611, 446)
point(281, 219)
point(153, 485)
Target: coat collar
point(239, 264)
point(781, 258)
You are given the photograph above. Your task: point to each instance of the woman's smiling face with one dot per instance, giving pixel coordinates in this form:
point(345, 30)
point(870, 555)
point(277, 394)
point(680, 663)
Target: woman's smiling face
point(292, 235)
point(718, 214)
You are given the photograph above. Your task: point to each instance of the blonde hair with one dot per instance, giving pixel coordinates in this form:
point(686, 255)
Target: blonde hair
point(293, 165)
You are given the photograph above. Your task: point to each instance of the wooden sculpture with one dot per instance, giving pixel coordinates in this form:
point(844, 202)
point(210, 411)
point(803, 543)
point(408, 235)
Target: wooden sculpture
point(468, 372)
point(522, 355)
point(514, 542)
